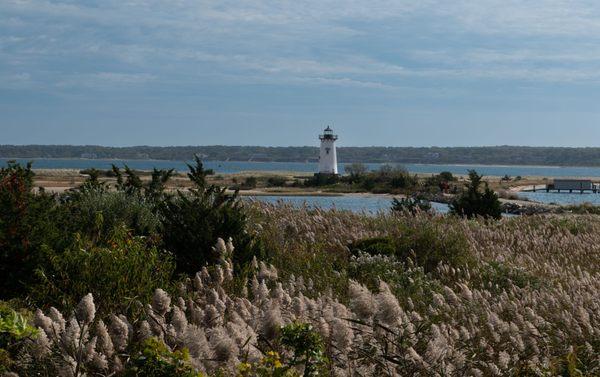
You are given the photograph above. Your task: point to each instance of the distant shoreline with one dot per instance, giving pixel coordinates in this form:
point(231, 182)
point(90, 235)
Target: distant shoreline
point(509, 156)
point(309, 162)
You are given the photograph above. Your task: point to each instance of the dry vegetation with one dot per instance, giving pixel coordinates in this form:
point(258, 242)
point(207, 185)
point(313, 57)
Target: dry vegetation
point(515, 297)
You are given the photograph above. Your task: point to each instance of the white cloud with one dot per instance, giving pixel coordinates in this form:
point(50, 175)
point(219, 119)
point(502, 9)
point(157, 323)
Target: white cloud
point(310, 42)
point(21, 80)
point(105, 79)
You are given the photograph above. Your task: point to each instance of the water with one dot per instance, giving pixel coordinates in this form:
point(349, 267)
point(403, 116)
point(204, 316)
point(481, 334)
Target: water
point(562, 198)
point(368, 204)
point(225, 167)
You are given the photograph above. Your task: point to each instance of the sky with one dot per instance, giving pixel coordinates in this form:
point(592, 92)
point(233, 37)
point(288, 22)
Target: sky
point(275, 73)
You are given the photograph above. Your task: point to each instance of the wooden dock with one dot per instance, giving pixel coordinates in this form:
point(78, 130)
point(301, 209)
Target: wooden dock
point(571, 185)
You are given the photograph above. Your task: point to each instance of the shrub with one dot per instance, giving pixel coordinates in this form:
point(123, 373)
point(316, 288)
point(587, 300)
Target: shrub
point(306, 347)
point(156, 360)
point(411, 205)
point(500, 276)
point(250, 183)
point(27, 222)
point(193, 220)
point(368, 183)
point(429, 242)
point(473, 202)
point(302, 353)
point(447, 176)
point(14, 330)
point(94, 174)
point(118, 275)
point(425, 241)
point(401, 181)
point(355, 171)
point(152, 190)
point(406, 282)
point(99, 212)
point(268, 366)
point(276, 181)
point(374, 246)
point(321, 179)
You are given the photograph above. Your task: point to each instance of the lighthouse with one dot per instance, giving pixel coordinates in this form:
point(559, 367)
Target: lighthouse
point(327, 155)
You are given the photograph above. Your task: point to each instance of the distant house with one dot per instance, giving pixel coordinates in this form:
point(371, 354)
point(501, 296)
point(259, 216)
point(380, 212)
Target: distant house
point(89, 155)
point(573, 184)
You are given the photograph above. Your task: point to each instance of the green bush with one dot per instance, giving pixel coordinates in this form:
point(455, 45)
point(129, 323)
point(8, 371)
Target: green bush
point(426, 241)
point(498, 276)
point(194, 220)
point(118, 275)
point(385, 180)
point(132, 184)
point(355, 171)
point(411, 205)
point(405, 282)
point(249, 183)
point(156, 360)
point(321, 179)
point(447, 176)
point(299, 352)
point(14, 329)
point(28, 220)
point(276, 181)
point(306, 347)
point(374, 246)
point(473, 202)
point(99, 212)
point(429, 242)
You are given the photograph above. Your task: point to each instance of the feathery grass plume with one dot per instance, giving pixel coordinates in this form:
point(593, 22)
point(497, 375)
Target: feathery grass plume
point(224, 348)
point(388, 308)
point(105, 344)
point(361, 300)
point(86, 310)
point(271, 322)
point(119, 332)
point(58, 320)
point(533, 312)
point(44, 323)
point(161, 302)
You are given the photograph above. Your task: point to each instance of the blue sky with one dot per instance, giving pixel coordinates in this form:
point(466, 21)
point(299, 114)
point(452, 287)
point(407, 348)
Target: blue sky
point(248, 72)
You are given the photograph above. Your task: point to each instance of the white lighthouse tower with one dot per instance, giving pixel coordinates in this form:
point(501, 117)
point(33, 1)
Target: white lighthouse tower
point(328, 156)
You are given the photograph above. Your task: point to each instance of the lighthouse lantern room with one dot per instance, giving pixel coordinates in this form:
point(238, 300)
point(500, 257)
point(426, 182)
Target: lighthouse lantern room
point(328, 156)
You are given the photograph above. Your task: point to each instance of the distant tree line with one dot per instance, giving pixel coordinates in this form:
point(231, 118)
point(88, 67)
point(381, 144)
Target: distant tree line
point(509, 155)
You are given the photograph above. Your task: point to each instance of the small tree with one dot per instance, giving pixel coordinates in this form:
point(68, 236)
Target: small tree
point(447, 176)
point(156, 187)
point(356, 171)
point(134, 185)
point(193, 220)
point(475, 202)
point(92, 182)
point(412, 205)
point(27, 222)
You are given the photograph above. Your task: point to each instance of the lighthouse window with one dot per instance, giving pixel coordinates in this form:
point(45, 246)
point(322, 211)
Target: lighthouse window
point(327, 150)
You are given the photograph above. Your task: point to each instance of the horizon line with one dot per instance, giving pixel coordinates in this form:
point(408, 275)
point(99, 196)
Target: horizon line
point(299, 146)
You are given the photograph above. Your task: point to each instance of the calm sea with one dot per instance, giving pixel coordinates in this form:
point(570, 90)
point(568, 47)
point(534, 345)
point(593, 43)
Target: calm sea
point(562, 198)
point(236, 167)
point(367, 204)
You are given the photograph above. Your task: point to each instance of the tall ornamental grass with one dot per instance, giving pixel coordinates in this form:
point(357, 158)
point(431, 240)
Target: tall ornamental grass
point(525, 302)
